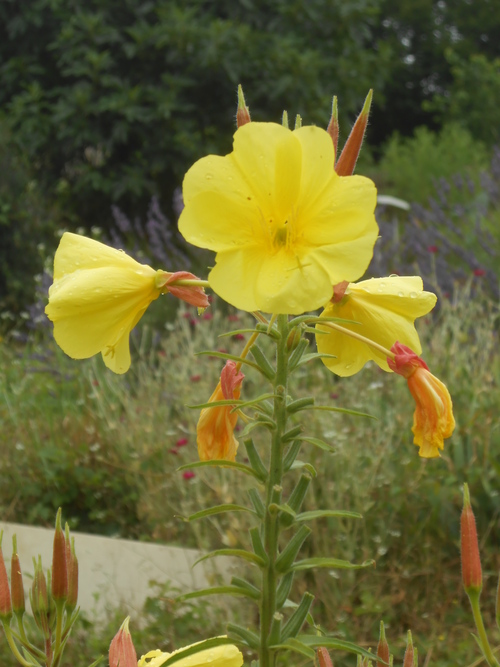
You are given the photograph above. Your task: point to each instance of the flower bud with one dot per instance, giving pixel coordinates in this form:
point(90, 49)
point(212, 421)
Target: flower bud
point(348, 158)
point(471, 563)
point(59, 569)
point(293, 339)
point(5, 601)
point(324, 657)
point(72, 569)
point(382, 648)
point(409, 659)
point(243, 112)
point(16, 581)
point(121, 650)
point(39, 598)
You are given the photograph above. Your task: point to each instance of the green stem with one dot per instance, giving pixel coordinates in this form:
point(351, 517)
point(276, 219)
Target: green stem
point(13, 647)
point(273, 496)
point(478, 620)
point(59, 624)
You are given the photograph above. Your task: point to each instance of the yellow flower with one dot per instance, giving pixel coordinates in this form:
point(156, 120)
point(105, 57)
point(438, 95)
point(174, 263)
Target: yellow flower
point(98, 296)
point(220, 656)
point(215, 430)
point(384, 309)
point(433, 419)
point(284, 225)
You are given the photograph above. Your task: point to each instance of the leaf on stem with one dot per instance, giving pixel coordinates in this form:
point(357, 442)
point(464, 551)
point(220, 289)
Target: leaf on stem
point(318, 514)
point(220, 464)
point(235, 553)
point(334, 563)
point(219, 509)
point(216, 590)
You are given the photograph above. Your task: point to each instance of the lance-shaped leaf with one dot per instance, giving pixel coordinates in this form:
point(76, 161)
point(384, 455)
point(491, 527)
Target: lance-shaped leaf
point(258, 466)
point(287, 557)
point(231, 357)
point(275, 631)
point(296, 620)
point(263, 362)
point(244, 635)
point(219, 509)
point(298, 465)
point(317, 442)
point(284, 588)
point(235, 553)
point(315, 641)
point(319, 514)
point(297, 647)
point(346, 411)
point(222, 463)
point(334, 563)
point(257, 544)
point(291, 455)
point(257, 503)
point(300, 404)
point(297, 354)
point(238, 591)
point(253, 591)
point(292, 433)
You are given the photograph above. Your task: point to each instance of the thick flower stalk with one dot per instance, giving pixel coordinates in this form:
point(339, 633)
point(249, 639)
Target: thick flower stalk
point(99, 294)
point(215, 430)
point(433, 419)
point(284, 225)
point(383, 310)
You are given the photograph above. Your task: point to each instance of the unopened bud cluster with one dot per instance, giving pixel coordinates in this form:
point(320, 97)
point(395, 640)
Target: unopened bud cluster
point(53, 598)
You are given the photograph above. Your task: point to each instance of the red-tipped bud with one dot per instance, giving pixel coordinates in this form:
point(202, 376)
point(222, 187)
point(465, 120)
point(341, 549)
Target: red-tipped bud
point(324, 657)
point(72, 568)
point(193, 294)
point(5, 601)
point(59, 569)
point(121, 650)
point(16, 581)
point(39, 598)
point(409, 659)
point(349, 156)
point(471, 563)
point(333, 126)
point(382, 648)
point(243, 112)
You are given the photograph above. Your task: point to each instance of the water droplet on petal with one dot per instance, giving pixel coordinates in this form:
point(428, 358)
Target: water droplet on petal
point(413, 295)
point(209, 176)
point(400, 293)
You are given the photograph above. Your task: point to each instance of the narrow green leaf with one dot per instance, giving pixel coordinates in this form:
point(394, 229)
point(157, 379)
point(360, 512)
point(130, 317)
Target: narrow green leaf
point(315, 641)
point(297, 647)
point(197, 648)
point(235, 553)
point(225, 355)
point(345, 411)
point(216, 404)
point(319, 443)
point(219, 509)
point(257, 503)
point(263, 362)
point(257, 544)
point(256, 401)
point(267, 423)
point(292, 433)
point(228, 334)
point(215, 590)
point(291, 455)
point(297, 354)
point(256, 463)
point(250, 638)
point(285, 560)
point(220, 464)
point(318, 514)
point(315, 355)
point(300, 404)
point(284, 508)
point(298, 465)
point(334, 563)
point(252, 590)
point(284, 588)
point(296, 620)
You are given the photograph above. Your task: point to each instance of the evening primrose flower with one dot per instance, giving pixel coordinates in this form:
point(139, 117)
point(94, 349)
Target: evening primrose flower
point(98, 296)
point(433, 419)
point(227, 655)
point(284, 225)
point(384, 310)
point(215, 430)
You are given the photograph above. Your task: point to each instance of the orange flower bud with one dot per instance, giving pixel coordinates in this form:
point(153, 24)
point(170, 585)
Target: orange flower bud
point(215, 430)
point(16, 581)
point(433, 419)
point(409, 659)
point(121, 650)
point(243, 112)
point(192, 294)
point(471, 562)
point(5, 601)
point(59, 569)
point(324, 657)
point(349, 156)
point(382, 648)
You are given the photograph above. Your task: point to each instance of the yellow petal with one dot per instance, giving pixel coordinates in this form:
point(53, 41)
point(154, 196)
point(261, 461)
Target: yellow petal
point(220, 656)
point(385, 309)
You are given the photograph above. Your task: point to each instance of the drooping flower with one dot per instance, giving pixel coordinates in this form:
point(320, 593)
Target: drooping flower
point(227, 655)
point(284, 225)
point(384, 310)
point(433, 419)
point(215, 430)
point(472, 576)
point(98, 296)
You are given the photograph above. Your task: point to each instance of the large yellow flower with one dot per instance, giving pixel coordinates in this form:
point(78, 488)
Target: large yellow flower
point(384, 309)
point(284, 225)
point(98, 296)
point(220, 656)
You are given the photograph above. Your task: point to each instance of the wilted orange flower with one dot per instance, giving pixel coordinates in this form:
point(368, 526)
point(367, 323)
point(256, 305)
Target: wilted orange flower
point(215, 428)
point(433, 417)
